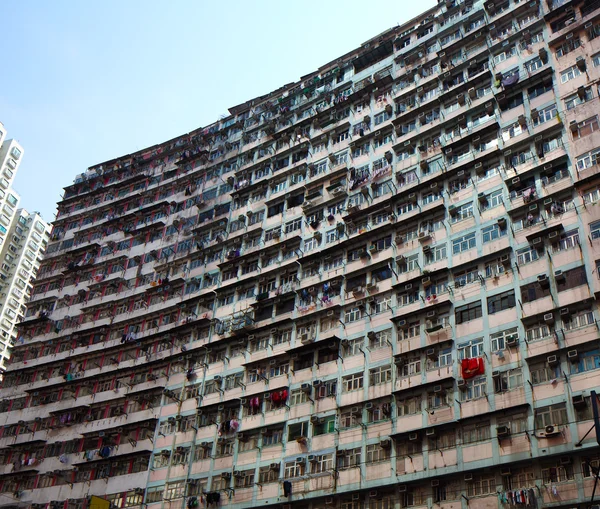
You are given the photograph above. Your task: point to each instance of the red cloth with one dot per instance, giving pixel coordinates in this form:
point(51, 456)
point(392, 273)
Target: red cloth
point(275, 398)
point(472, 367)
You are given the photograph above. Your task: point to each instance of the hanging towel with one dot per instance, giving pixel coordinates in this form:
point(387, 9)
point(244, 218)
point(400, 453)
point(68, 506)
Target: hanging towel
point(472, 367)
point(287, 488)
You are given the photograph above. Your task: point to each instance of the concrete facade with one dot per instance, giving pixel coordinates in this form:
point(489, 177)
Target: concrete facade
point(23, 238)
point(374, 288)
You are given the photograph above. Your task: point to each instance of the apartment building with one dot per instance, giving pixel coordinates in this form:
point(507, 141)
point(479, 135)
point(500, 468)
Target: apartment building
point(11, 154)
point(23, 237)
point(373, 288)
point(20, 256)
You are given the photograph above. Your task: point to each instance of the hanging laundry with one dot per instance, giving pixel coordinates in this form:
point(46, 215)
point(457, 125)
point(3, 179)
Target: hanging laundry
point(104, 452)
point(472, 367)
point(287, 488)
point(276, 398)
point(509, 81)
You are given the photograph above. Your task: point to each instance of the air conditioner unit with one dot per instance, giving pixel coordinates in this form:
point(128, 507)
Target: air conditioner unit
point(435, 483)
point(413, 437)
point(300, 460)
point(502, 432)
point(549, 318)
point(552, 430)
point(356, 410)
point(559, 275)
point(355, 497)
point(468, 477)
point(505, 472)
point(565, 460)
point(402, 324)
point(373, 494)
point(552, 360)
point(431, 353)
point(274, 466)
point(461, 384)
point(305, 387)
point(430, 432)
point(573, 355)
point(579, 401)
point(226, 475)
point(312, 458)
point(424, 235)
point(314, 419)
point(369, 406)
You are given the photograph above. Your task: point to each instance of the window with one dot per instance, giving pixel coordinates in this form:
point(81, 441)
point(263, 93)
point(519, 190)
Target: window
point(298, 397)
point(349, 458)
point(553, 414)
point(293, 469)
point(542, 373)
point(587, 127)
point(578, 320)
point(410, 366)
point(380, 375)
point(353, 382)
point(470, 349)
point(174, 490)
point(545, 115)
point(498, 339)
point(481, 485)
point(569, 46)
point(474, 433)
point(324, 425)
point(508, 380)
point(558, 473)
point(298, 430)
point(438, 400)
point(352, 347)
point(534, 64)
point(463, 212)
point(576, 99)
point(376, 453)
point(572, 279)
point(505, 55)
point(410, 406)
point(501, 302)
point(588, 361)
point(474, 389)
point(569, 74)
point(463, 243)
point(570, 239)
point(322, 463)
point(380, 339)
point(436, 254)
point(469, 312)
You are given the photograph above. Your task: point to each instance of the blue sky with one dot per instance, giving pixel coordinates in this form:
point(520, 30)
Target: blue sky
point(83, 82)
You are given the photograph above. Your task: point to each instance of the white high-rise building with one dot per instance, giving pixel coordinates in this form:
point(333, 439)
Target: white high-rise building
point(23, 238)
